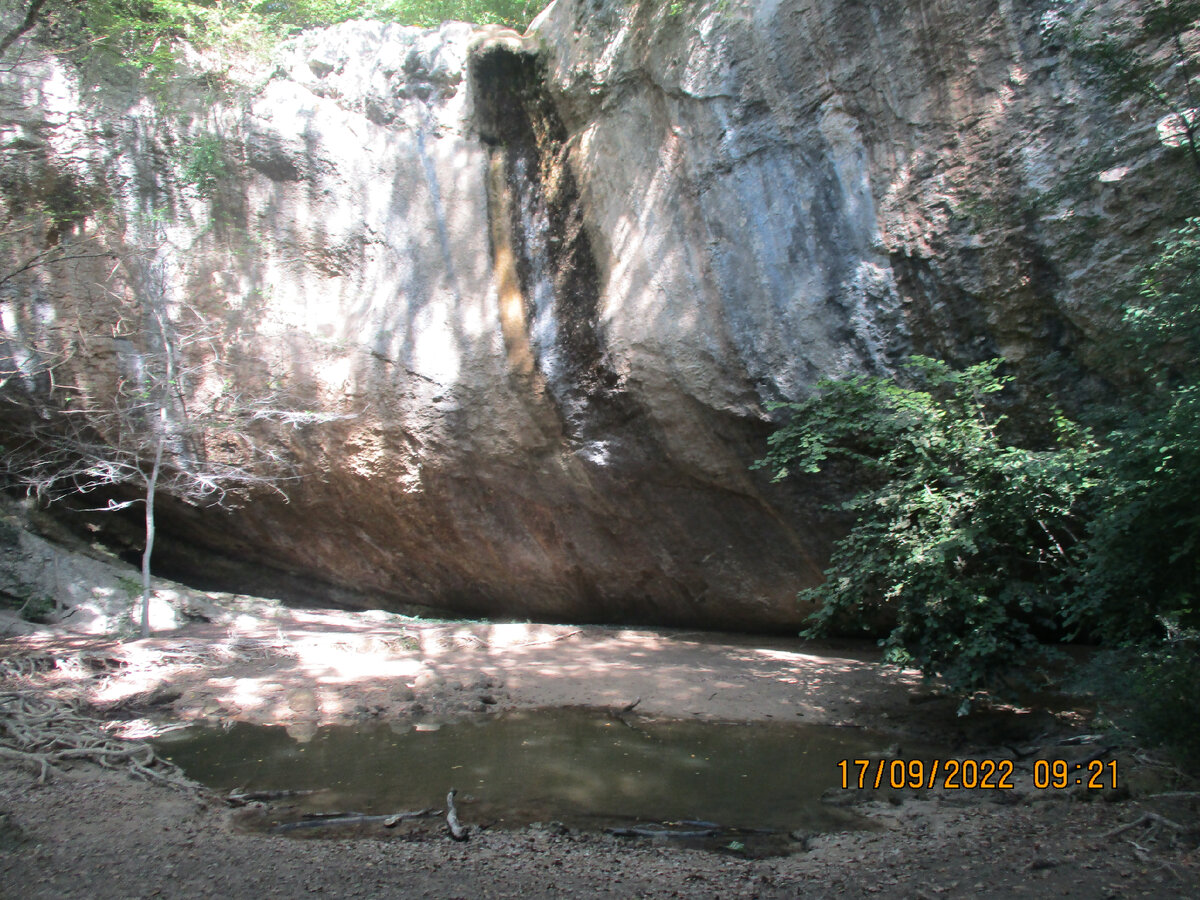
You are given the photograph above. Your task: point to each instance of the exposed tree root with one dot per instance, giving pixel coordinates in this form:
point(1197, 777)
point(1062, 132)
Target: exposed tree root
point(41, 732)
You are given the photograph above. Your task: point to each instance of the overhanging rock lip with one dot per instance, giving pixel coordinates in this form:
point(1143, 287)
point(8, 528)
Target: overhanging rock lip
point(489, 37)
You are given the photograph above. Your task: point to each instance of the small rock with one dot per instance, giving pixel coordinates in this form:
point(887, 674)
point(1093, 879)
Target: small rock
point(12, 835)
point(842, 797)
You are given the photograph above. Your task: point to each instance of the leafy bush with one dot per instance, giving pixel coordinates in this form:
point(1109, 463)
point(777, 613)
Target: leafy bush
point(144, 33)
point(975, 542)
point(961, 536)
point(1166, 694)
point(1142, 574)
point(1152, 691)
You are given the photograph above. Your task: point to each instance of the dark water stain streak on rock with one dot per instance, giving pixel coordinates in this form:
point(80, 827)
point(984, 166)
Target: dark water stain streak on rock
point(545, 235)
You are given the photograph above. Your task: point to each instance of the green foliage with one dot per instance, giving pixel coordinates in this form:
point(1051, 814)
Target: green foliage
point(32, 607)
point(38, 609)
point(1165, 704)
point(1143, 568)
point(1163, 323)
point(144, 34)
point(678, 7)
point(206, 163)
point(961, 537)
point(974, 543)
point(144, 31)
point(1145, 55)
point(1152, 690)
point(131, 585)
point(304, 13)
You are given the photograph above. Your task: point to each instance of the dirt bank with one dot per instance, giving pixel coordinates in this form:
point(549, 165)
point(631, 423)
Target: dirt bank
point(97, 833)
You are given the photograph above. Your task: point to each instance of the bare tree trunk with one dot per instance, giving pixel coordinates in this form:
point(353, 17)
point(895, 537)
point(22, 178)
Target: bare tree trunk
point(152, 482)
point(151, 486)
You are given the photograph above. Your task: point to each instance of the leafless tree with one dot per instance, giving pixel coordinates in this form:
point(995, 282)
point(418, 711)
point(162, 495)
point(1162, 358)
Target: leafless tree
point(150, 403)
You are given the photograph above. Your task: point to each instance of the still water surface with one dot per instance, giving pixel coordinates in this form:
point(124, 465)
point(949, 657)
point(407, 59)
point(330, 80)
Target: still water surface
point(582, 767)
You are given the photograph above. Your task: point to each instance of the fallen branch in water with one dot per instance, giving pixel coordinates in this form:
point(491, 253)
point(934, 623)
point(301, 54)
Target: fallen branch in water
point(396, 818)
point(695, 828)
point(661, 831)
point(241, 798)
point(457, 831)
point(322, 821)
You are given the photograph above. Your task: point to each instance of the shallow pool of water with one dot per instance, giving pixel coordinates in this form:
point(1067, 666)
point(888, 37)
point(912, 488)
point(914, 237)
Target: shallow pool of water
point(584, 768)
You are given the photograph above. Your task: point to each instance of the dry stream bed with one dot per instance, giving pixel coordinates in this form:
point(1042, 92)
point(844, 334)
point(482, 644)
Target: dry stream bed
point(580, 755)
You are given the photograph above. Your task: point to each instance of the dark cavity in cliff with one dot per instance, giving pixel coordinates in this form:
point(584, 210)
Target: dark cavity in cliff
point(545, 269)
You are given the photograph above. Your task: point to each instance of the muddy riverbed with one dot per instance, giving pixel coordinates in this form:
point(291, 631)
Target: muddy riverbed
point(94, 832)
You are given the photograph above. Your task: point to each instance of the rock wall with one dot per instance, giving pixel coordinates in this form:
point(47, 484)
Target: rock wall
point(550, 282)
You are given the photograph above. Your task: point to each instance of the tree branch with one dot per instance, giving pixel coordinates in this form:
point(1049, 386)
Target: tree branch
point(30, 20)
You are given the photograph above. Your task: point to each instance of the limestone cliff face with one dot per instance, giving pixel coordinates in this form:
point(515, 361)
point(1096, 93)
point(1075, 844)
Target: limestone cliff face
point(826, 186)
point(550, 282)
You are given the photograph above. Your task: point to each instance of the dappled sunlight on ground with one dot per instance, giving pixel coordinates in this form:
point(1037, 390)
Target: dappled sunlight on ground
point(304, 668)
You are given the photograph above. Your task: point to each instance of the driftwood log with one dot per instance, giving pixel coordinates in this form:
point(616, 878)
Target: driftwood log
point(657, 831)
point(323, 821)
point(686, 828)
point(241, 798)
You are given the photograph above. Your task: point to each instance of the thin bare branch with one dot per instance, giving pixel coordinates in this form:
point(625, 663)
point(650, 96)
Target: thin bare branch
point(29, 21)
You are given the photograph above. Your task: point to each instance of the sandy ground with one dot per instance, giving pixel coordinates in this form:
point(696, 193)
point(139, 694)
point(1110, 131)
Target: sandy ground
point(91, 832)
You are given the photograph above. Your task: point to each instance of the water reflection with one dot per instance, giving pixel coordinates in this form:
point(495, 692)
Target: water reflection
point(580, 767)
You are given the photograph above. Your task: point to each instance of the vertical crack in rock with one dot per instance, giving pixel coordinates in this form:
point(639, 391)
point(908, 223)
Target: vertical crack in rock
point(545, 270)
